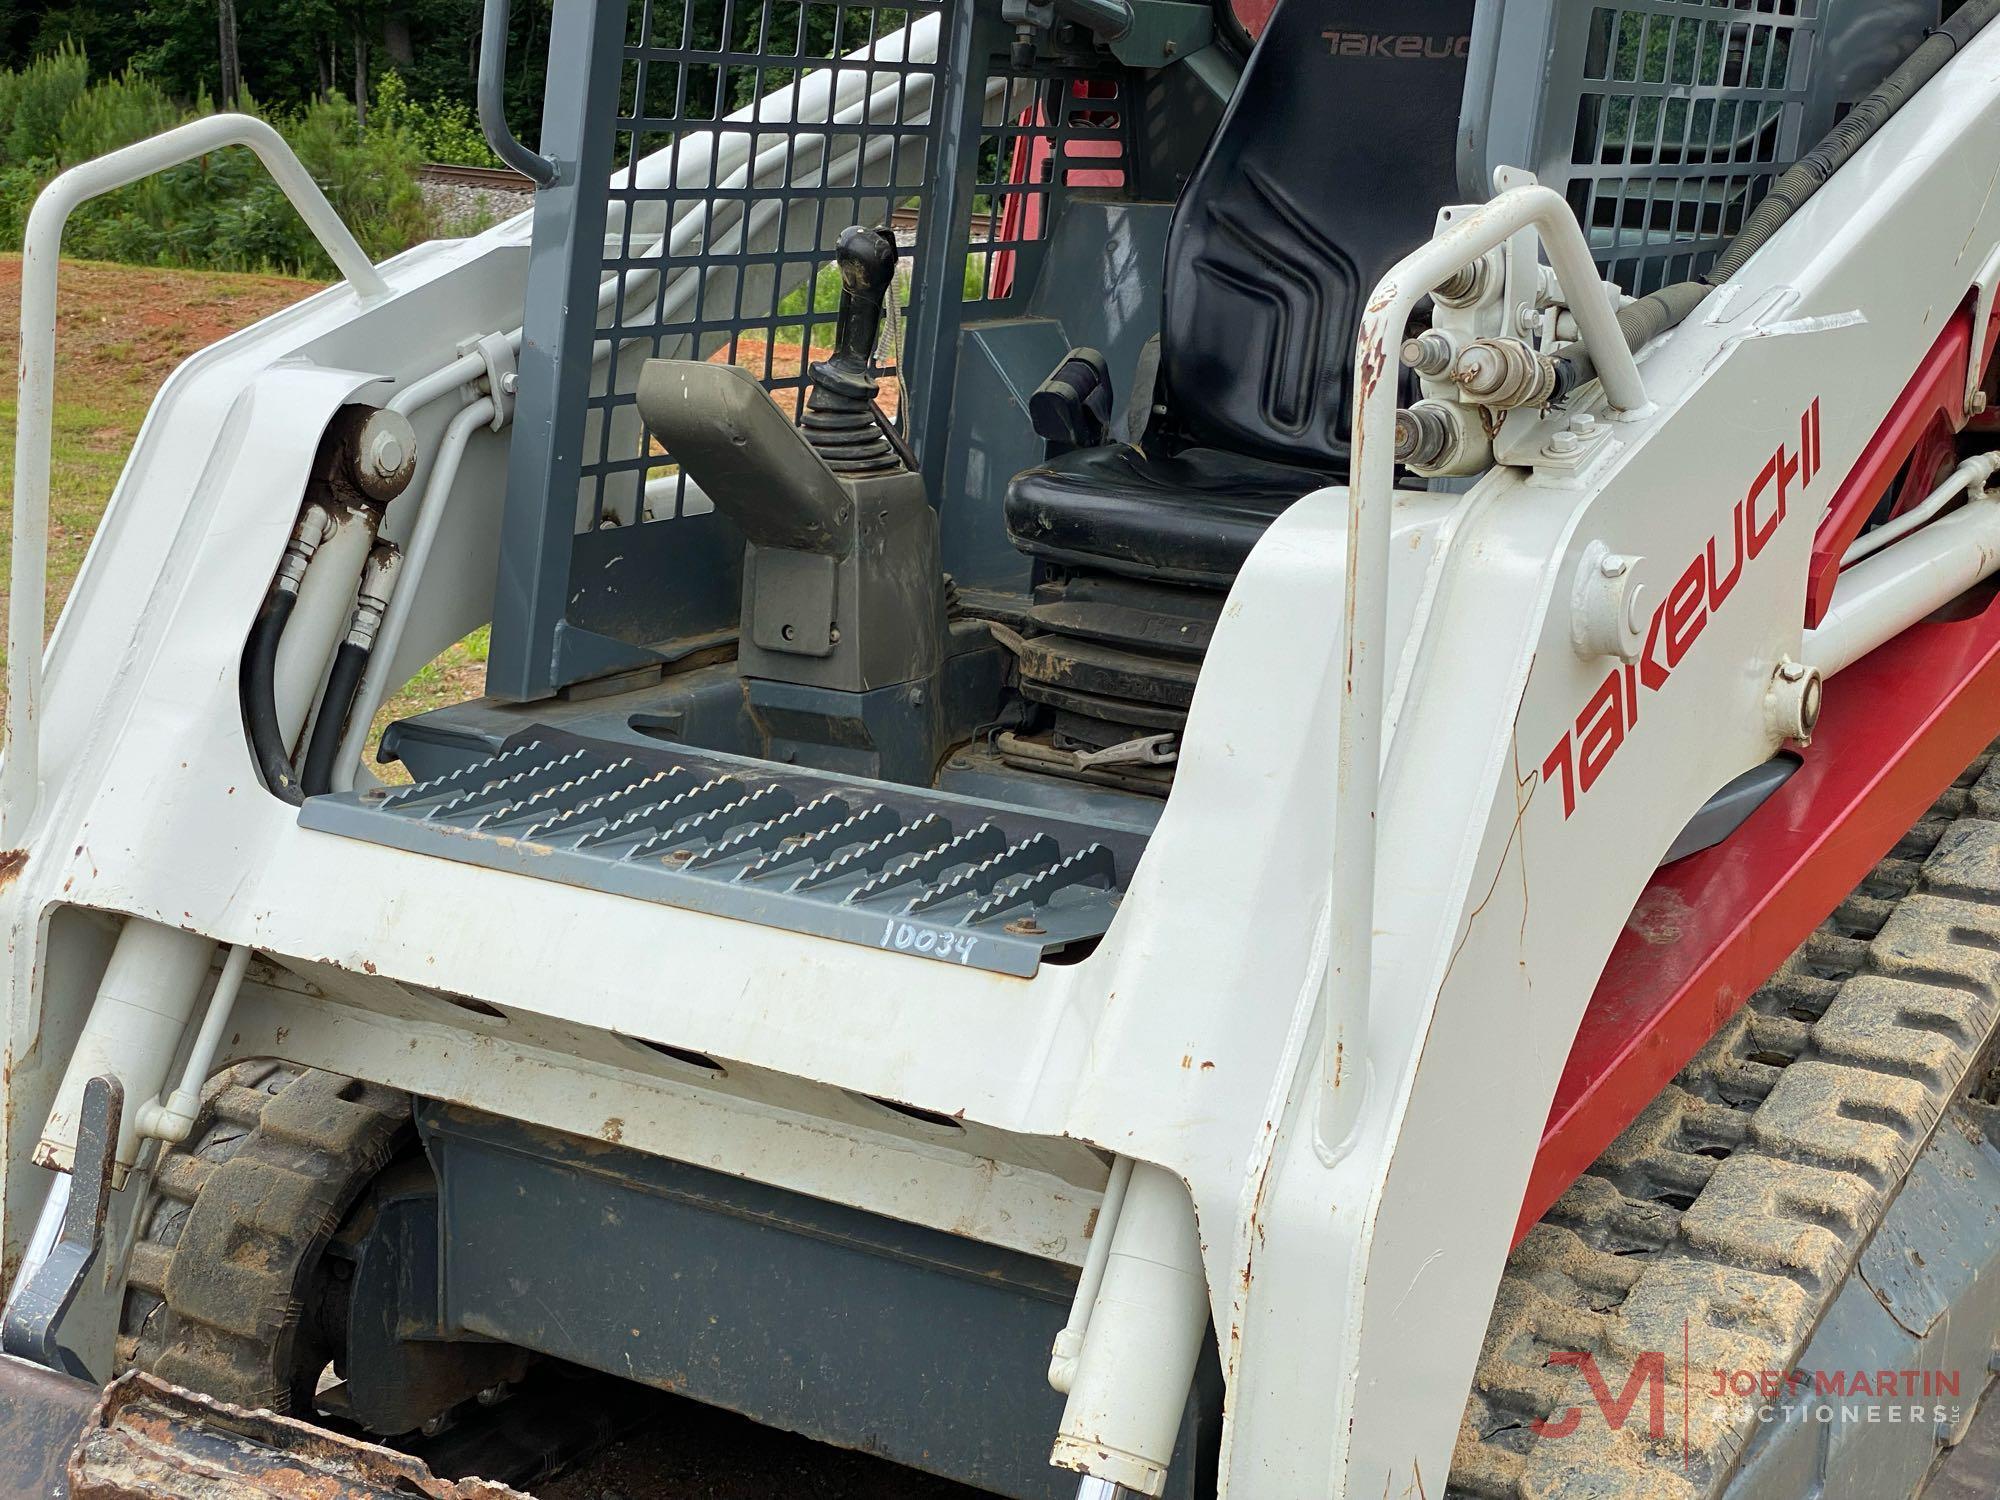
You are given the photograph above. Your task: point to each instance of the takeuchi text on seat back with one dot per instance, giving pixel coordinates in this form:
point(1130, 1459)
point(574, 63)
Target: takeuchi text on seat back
point(1329, 167)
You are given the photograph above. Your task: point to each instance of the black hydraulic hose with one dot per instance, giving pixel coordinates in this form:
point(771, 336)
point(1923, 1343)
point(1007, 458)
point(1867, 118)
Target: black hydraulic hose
point(1810, 173)
point(259, 690)
point(349, 663)
point(1650, 316)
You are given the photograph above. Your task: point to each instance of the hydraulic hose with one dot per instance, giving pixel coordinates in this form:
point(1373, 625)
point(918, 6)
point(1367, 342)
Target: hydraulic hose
point(1806, 177)
point(259, 688)
point(423, 534)
point(345, 699)
point(1650, 316)
point(290, 643)
point(349, 664)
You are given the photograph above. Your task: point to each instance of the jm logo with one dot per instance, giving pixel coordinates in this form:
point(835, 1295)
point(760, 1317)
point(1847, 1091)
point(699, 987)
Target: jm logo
point(1649, 1374)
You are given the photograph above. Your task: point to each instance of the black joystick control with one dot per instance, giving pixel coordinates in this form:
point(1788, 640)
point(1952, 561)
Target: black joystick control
point(841, 420)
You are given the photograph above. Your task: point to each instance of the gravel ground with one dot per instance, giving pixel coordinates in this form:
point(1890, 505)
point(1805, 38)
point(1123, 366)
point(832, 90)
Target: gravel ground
point(460, 208)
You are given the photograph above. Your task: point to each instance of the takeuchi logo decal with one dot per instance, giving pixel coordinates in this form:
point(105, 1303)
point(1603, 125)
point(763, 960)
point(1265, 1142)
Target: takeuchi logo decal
point(1407, 46)
point(1698, 595)
point(1657, 1393)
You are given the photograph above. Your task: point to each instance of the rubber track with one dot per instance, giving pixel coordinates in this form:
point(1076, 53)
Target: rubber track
point(1732, 1210)
point(216, 1288)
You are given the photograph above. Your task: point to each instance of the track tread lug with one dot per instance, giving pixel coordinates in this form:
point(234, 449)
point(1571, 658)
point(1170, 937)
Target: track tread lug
point(241, 1211)
point(1737, 1202)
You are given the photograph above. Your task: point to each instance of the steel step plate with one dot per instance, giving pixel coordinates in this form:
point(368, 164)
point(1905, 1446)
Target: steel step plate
point(916, 871)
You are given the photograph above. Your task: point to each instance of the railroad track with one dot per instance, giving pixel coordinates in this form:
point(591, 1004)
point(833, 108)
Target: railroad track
point(497, 179)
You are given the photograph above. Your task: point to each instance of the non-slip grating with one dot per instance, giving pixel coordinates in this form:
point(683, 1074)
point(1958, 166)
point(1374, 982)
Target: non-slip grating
point(1665, 121)
point(919, 872)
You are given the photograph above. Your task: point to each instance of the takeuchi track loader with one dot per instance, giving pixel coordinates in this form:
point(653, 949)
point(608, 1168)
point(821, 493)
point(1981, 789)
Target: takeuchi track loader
point(1227, 753)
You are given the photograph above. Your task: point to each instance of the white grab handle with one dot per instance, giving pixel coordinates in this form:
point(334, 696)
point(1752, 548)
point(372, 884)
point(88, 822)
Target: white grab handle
point(20, 764)
point(1371, 494)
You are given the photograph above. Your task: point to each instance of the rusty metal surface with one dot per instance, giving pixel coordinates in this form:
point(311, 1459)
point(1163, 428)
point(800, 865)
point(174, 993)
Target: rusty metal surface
point(493, 179)
point(148, 1440)
point(41, 1415)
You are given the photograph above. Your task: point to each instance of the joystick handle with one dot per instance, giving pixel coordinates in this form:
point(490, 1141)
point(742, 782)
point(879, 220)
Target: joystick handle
point(867, 262)
point(841, 421)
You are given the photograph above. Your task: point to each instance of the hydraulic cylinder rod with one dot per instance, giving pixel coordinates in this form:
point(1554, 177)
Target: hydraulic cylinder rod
point(1069, 1343)
point(132, 1034)
point(1887, 592)
point(147, 997)
point(1130, 1386)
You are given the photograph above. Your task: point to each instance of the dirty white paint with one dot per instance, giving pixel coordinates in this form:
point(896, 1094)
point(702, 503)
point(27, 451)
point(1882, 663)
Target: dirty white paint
point(1191, 1039)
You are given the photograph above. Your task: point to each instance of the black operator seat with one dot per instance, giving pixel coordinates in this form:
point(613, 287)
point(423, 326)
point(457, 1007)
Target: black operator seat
point(1329, 166)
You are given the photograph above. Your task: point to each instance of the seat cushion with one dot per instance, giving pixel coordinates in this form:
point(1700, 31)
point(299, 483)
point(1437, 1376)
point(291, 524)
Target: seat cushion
point(1191, 518)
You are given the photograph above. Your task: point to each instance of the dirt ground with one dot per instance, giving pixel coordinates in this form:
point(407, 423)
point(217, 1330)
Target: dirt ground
point(120, 330)
point(691, 1452)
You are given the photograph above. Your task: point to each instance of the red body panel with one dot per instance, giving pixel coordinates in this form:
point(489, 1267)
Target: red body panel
point(1930, 410)
point(1032, 160)
point(1898, 727)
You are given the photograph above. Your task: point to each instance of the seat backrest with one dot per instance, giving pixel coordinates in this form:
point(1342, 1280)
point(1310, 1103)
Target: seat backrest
point(1330, 165)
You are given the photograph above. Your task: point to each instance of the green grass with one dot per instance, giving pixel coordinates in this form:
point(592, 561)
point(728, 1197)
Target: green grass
point(120, 331)
point(822, 300)
point(458, 674)
point(89, 441)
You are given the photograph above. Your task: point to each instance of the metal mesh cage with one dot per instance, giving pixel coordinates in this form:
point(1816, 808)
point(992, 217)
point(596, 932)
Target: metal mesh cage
point(749, 133)
point(1041, 135)
point(1665, 121)
point(1685, 116)
point(738, 139)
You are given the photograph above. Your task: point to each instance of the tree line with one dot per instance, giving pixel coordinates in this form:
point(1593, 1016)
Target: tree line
point(287, 54)
point(290, 54)
point(365, 92)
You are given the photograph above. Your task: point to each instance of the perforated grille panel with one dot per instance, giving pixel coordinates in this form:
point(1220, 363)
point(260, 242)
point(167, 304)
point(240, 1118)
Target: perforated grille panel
point(1665, 121)
point(1039, 137)
point(739, 138)
point(917, 872)
point(1686, 111)
point(749, 134)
